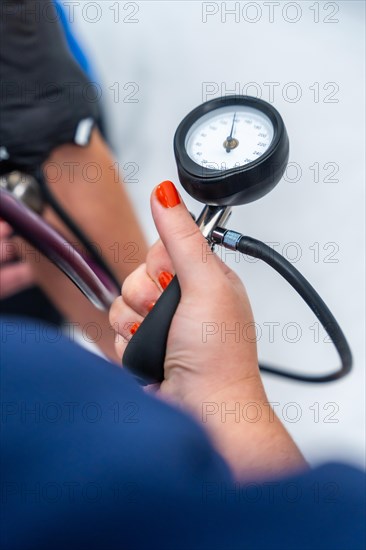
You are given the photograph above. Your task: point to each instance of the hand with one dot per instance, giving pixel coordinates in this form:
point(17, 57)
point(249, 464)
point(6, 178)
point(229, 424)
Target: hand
point(14, 276)
point(206, 372)
point(201, 357)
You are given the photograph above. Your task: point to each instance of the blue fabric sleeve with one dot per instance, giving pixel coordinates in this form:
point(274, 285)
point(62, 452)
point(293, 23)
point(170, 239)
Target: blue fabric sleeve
point(88, 460)
point(74, 45)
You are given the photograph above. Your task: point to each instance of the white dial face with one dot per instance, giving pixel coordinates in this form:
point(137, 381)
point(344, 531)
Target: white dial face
point(229, 137)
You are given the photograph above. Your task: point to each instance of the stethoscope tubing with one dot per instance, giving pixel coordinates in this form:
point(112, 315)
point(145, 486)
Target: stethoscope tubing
point(93, 282)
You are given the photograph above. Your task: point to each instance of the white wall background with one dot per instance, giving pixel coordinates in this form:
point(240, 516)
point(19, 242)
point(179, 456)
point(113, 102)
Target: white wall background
point(166, 52)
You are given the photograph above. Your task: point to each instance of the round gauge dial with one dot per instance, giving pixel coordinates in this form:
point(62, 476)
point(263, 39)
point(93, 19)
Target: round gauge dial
point(231, 150)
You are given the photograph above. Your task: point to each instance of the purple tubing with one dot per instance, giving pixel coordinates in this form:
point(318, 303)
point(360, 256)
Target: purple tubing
point(85, 274)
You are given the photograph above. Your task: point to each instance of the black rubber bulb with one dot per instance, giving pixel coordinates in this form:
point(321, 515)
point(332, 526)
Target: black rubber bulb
point(145, 353)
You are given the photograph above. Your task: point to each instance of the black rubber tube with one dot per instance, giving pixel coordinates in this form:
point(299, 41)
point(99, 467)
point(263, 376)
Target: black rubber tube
point(257, 249)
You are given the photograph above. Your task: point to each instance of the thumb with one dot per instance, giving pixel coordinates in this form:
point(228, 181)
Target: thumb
point(189, 251)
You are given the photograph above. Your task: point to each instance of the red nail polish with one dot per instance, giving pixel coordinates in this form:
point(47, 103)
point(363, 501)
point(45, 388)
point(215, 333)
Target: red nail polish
point(167, 194)
point(150, 306)
point(164, 279)
point(134, 328)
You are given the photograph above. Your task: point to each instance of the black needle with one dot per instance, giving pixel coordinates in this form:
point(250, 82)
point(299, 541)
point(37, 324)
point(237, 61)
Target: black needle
point(229, 139)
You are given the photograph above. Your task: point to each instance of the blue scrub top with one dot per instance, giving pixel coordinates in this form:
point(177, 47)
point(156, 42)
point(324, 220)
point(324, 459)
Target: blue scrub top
point(90, 461)
point(73, 43)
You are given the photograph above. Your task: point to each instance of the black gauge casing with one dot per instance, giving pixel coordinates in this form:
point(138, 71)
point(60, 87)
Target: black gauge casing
point(242, 184)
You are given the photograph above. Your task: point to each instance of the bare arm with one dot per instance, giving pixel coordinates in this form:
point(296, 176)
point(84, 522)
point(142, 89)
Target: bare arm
point(86, 184)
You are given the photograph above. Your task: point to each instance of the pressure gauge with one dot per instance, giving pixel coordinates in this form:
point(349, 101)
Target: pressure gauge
point(231, 150)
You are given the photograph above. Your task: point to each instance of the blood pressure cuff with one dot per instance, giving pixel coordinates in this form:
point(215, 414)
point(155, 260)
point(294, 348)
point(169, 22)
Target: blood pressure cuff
point(46, 99)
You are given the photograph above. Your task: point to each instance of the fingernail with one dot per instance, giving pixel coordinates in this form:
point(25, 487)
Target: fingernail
point(164, 279)
point(167, 194)
point(150, 306)
point(134, 328)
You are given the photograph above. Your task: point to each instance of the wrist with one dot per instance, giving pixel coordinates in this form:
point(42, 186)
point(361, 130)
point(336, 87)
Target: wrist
point(244, 429)
point(191, 390)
